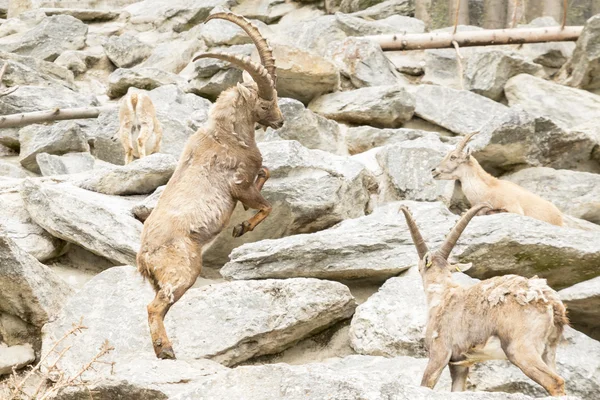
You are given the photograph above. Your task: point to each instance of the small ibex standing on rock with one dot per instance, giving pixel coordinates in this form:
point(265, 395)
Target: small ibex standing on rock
point(140, 132)
point(503, 317)
point(220, 165)
point(479, 187)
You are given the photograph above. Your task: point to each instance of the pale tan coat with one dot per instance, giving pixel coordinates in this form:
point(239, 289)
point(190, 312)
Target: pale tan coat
point(140, 132)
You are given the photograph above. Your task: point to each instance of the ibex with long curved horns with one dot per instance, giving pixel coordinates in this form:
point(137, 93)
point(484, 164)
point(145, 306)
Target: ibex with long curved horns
point(503, 317)
point(220, 165)
point(479, 187)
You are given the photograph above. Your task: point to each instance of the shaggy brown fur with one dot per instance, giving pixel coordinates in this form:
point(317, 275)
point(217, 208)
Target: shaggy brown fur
point(481, 187)
point(220, 165)
point(140, 131)
point(503, 317)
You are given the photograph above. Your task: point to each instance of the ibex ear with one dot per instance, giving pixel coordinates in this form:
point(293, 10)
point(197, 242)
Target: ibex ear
point(461, 267)
point(468, 153)
point(244, 92)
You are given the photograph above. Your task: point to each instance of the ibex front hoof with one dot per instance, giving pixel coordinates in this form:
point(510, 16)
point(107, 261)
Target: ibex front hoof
point(166, 353)
point(240, 229)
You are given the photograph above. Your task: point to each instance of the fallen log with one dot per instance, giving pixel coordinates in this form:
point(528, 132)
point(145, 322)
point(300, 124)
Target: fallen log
point(57, 114)
point(488, 37)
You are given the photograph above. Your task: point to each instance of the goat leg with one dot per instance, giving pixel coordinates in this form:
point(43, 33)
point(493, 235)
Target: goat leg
point(253, 199)
point(262, 176)
point(145, 132)
point(439, 357)
point(459, 374)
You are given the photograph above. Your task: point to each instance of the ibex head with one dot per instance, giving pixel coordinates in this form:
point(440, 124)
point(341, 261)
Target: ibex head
point(449, 167)
point(437, 261)
point(261, 95)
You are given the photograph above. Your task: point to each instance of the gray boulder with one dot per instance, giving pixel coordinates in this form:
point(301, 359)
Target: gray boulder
point(583, 68)
point(574, 193)
point(15, 357)
point(126, 50)
point(223, 33)
point(63, 137)
point(459, 111)
point(362, 138)
point(18, 225)
point(362, 62)
point(176, 15)
point(39, 98)
point(172, 56)
point(302, 75)
point(356, 25)
point(349, 6)
point(180, 115)
point(24, 70)
point(415, 182)
point(517, 138)
point(260, 317)
point(352, 377)
point(142, 78)
point(487, 72)
point(551, 55)
point(583, 302)
point(51, 37)
point(380, 106)
point(30, 290)
point(212, 87)
point(11, 169)
point(548, 99)
point(97, 222)
point(374, 246)
point(70, 163)
point(267, 11)
point(312, 35)
point(386, 9)
point(142, 176)
point(309, 129)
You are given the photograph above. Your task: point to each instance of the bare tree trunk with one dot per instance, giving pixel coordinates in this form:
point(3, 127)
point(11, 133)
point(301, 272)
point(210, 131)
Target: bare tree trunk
point(15, 120)
point(463, 11)
point(514, 13)
point(16, 7)
point(422, 11)
point(494, 14)
point(552, 8)
point(595, 7)
point(438, 40)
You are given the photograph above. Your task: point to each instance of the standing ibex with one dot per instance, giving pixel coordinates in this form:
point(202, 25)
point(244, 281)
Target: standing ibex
point(479, 186)
point(220, 165)
point(507, 316)
point(139, 130)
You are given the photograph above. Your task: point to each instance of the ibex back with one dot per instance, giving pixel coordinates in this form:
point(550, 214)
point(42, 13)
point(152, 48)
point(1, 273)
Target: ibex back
point(220, 165)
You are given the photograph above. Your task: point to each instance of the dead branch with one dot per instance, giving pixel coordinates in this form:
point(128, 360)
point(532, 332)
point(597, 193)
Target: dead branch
point(16, 120)
point(488, 37)
point(564, 20)
point(456, 16)
point(460, 65)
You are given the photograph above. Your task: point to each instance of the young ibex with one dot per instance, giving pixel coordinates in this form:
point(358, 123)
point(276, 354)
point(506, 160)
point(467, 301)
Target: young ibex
point(503, 317)
point(220, 165)
point(140, 132)
point(479, 186)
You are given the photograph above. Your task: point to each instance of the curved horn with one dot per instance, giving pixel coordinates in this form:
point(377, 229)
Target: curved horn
point(256, 71)
point(458, 229)
point(265, 52)
point(414, 233)
point(465, 140)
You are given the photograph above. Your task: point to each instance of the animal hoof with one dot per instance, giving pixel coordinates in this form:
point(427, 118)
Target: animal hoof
point(240, 229)
point(166, 353)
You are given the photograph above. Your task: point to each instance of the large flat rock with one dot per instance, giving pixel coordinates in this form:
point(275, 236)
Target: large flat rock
point(381, 106)
point(375, 246)
point(549, 99)
point(97, 222)
point(458, 111)
point(260, 317)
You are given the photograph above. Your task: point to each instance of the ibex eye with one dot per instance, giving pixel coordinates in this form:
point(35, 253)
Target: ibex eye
point(453, 157)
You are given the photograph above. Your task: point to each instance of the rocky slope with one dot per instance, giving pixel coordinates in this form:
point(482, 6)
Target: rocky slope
point(322, 300)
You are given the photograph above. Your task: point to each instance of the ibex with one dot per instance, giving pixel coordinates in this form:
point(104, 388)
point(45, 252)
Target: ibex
point(220, 165)
point(479, 186)
point(140, 132)
point(503, 317)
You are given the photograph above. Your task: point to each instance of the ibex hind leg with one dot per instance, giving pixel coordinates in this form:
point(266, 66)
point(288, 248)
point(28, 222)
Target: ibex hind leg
point(530, 362)
point(459, 374)
point(165, 297)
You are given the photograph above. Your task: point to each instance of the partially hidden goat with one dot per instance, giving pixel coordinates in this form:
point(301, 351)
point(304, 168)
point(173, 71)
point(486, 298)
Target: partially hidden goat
point(140, 131)
point(220, 165)
point(481, 187)
point(503, 317)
